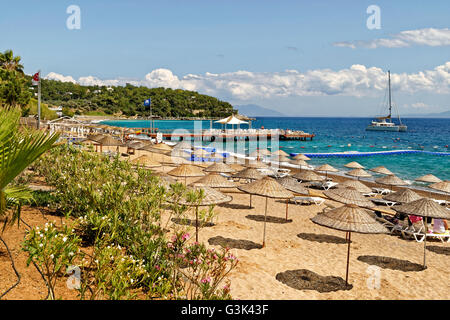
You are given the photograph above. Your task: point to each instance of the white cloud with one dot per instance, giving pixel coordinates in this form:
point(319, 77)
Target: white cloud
point(420, 37)
point(358, 80)
point(59, 77)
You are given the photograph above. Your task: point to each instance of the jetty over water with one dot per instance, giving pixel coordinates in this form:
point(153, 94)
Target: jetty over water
point(224, 135)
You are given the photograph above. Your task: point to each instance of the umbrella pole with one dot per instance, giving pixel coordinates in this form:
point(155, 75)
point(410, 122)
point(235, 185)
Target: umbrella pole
point(348, 258)
point(250, 201)
point(287, 208)
point(196, 223)
point(265, 218)
point(425, 245)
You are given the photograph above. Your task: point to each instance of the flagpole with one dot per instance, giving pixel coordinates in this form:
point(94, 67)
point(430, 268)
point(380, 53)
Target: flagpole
point(39, 101)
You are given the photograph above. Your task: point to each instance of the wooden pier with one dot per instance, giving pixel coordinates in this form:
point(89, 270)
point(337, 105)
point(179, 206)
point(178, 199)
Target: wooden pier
point(220, 135)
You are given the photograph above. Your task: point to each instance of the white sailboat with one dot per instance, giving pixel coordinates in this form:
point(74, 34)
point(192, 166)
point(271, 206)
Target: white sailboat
point(386, 123)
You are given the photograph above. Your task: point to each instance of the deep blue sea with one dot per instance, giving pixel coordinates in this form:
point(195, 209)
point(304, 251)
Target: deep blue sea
point(348, 134)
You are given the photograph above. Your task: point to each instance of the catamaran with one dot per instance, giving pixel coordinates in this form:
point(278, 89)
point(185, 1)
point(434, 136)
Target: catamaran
point(386, 123)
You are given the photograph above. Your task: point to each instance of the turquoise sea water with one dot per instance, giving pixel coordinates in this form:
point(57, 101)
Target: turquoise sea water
point(348, 134)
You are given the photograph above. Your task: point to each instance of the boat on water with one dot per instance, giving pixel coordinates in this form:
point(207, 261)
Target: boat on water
point(385, 123)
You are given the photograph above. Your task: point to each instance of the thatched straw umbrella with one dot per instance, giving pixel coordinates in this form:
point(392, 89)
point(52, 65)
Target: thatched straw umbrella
point(357, 185)
point(109, 141)
point(354, 165)
point(348, 195)
point(165, 179)
point(236, 167)
point(358, 173)
point(391, 180)
point(214, 180)
point(260, 153)
point(301, 156)
point(381, 170)
point(249, 174)
point(202, 153)
point(293, 185)
point(300, 163)
point(349, 218)
point(308, 175)
point(326, 168)
point(429, 178)
point(257, 165)
point(95, 137)
point(210, 197)
point(403, 196)
point(269, 188)
point(146, 162)
point(443, 186)
point(424, 208)
point(162, 146)
point(135, 145)
point(186, 170)
point(280, 153)
point(219, 167)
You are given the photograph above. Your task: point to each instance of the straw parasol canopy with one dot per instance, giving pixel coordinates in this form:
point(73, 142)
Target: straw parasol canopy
point(349, 218)
point(236, 167)
point(327, 168)
point(280, 158)
point(301, 156)
point(348, 195)
point(280, 152)
point(257, 165)
point(381, 170)
point(299, 162)
point(96, 137)
point(269, 188)
point(249, 173)
point(219, 167)
point(201, 153)
point(429, 178)
point(403, 196)
point(109, 141)
point(186, 170)
point(162, 146)
point(424, 207)
point(293, 185)
point(136, 144)
point(260, 152)
point(359, 173)
point(391, 180)
point(357, 185)
point(146, 161)
point(210, 197)
point(441, 186)
point(307, 175)
point(354, 165)
point(214, 180)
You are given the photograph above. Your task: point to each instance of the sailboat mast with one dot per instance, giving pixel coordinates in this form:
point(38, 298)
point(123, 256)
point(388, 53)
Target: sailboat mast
point(390, 103)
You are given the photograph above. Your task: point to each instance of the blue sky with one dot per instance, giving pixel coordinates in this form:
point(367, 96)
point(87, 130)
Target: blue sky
point(202, 45)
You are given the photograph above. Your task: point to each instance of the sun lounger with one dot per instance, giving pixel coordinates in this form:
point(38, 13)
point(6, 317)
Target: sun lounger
point(309, 200)
point(444, 237)
point(440, 202)
point(325, 185)
point(416, 231)
point(370, 194)
point(382, 191)
point(383, 202)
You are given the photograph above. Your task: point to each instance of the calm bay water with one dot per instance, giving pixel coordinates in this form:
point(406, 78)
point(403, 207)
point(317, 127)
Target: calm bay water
point(348, 134)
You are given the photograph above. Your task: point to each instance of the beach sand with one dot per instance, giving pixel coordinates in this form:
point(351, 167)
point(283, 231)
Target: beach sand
point(297, 244)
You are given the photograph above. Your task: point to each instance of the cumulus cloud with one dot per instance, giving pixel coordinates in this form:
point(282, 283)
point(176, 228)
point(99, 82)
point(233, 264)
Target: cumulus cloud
point(358, 80)
point(419, 37)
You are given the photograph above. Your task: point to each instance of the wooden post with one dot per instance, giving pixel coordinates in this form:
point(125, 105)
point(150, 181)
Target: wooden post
point(287, 208)
point(265, 218)
point(196, 223)
point(348, 257)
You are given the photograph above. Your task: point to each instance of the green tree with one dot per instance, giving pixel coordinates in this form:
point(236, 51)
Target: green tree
point(10, 62)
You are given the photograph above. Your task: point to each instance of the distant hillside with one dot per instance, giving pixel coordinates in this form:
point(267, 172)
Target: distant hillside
point(253, 110)
point(445, 114)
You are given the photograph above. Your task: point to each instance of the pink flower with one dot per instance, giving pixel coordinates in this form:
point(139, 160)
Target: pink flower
point(157, 267)
point(206, 280)
point(185, 236)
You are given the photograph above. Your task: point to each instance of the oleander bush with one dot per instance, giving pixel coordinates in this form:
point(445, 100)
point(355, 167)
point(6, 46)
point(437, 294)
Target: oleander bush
point(117, 211)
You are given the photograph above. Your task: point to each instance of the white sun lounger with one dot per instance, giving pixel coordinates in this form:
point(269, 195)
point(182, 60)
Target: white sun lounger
point(416, 231)
point(316, 200)
point(382, 191)
point(325, 185)
point(383, 202)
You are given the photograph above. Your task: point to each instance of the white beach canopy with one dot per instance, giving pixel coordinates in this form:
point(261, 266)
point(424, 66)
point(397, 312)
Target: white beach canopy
point(231, 120)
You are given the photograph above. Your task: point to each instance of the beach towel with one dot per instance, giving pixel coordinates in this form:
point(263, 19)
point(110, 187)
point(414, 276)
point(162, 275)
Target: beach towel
point(414, 219)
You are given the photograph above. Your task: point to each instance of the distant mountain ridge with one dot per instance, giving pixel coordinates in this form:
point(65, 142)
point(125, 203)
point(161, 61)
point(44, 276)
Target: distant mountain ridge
point(445, 114)
point(253, 110)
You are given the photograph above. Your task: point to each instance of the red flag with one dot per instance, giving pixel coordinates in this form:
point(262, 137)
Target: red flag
point(36, 79)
